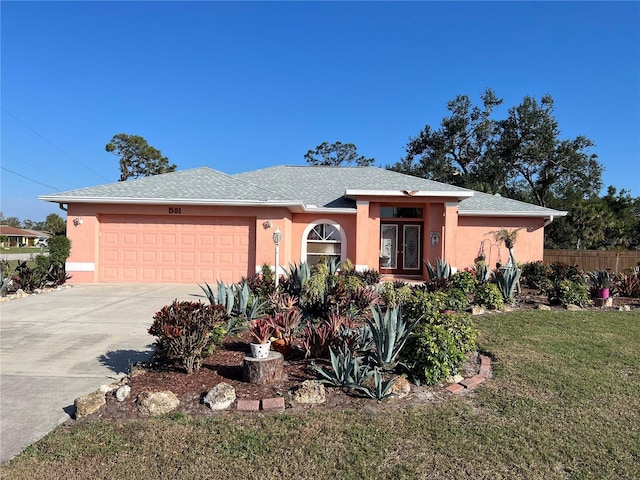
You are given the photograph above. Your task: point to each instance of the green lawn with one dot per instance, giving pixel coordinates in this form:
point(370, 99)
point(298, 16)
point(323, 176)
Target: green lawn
point(564, 403)
point(34, 250)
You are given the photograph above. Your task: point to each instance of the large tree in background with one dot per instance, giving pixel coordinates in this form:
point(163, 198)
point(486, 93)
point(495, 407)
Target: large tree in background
point(521, 156)
point(137, 157)
point(337, 154)
point(460, 152)
point(539, 166)
point(55, 224)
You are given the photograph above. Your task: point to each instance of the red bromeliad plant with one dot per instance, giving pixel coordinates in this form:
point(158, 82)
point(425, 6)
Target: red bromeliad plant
point(261, 329)
point(286, 323)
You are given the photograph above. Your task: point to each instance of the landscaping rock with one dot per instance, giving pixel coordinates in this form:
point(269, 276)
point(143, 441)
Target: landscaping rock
point(310, 392)
point(106, 388)
point(220, 397)
point(624, 308)
point(455, 379)
point(573, 308)
point(476, 310)
point(401, 387)
point(542, 306)
point(123, 393)
point(88, 404)
point(157, 403)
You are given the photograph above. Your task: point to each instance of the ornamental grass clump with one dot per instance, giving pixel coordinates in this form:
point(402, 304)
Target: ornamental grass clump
point(184, 330)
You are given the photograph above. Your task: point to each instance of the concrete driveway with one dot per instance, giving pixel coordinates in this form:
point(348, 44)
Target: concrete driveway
point(57, 346)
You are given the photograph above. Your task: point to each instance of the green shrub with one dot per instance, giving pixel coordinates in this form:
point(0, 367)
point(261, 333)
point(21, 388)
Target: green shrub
point(423, 305)
point(369, 277)
point(465, 281)
point(455, 299)
point(488, 296)
point(537, 275)
point(59, 249)
point(567, 292)
point(186, 330)
point(564, 271)
point(394, 294)
point(437, 348)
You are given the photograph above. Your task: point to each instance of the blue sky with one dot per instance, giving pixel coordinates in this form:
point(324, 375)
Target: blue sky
point(240, 86)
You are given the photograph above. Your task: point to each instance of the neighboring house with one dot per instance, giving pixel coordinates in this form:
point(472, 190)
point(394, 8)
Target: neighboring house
point(18, 237)
point(203, 225)
point(38, 237)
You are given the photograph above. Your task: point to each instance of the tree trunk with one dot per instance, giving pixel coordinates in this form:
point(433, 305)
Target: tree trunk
point(262, 371)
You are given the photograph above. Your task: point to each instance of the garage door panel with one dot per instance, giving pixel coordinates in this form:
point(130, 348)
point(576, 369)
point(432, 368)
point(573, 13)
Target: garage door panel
point(175, 249)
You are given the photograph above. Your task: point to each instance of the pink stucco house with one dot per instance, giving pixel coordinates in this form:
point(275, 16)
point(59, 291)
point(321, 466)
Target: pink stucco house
point(202, 225)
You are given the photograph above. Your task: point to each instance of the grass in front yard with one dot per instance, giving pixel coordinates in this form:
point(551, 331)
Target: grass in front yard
point(564, 403)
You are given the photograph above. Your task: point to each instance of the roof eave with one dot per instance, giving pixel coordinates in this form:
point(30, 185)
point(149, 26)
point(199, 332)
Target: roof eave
point(492, 213)
point(295, 206)
point(408, 193)
point(170, 201)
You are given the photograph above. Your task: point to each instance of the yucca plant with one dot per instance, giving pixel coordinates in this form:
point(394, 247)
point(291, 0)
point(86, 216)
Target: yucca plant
point(390, 333)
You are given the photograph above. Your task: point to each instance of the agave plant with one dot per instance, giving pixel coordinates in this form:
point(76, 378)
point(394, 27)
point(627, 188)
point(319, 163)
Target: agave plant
point(441, 270)
point(247, 307)
point(380, 390)
point(390, 333)
point(346, 369)
point(507, 281)
point(600, 279)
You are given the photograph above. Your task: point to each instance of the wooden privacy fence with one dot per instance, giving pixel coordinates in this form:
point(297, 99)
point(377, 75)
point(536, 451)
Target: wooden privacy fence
point(590, 260)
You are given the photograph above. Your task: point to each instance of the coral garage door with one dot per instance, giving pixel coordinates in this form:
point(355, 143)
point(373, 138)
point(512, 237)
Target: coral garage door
point(159, 249)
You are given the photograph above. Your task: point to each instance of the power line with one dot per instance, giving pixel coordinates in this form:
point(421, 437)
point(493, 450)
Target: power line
point(30, 179)
point(24, 162)
point(53, 144)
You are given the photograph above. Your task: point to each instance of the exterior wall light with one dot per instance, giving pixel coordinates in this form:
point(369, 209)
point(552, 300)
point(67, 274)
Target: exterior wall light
point(277, 238)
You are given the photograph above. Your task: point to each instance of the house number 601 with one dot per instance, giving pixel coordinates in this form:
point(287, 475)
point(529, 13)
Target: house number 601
point(175, 210)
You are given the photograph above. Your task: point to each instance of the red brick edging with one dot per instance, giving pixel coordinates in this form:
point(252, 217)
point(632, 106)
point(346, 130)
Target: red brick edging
point(470, 383)
point(466, 384)
point(267, 404)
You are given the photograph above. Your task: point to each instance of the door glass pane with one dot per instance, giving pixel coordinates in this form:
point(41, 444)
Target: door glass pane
point(389, 246)
point(411, 247)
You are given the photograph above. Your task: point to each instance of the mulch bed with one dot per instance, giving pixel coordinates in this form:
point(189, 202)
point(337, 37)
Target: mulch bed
point(226, 365)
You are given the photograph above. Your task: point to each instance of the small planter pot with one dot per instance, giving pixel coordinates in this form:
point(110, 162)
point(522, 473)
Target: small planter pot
point(282, 346)
point(260, 350)
point(603, 293)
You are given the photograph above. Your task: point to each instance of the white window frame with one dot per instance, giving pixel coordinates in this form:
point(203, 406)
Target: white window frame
point(315, 223)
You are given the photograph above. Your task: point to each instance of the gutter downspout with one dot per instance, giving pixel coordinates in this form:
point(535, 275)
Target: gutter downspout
point(62, 207)
point(547, 221)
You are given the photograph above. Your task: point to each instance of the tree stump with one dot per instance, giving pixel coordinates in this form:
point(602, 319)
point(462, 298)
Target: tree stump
point(262, 371)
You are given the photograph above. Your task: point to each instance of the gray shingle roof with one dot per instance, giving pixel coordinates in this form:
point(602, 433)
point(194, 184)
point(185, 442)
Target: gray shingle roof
point(485, 204)
point(295, 186)
point(198, 184)
point(326, 186)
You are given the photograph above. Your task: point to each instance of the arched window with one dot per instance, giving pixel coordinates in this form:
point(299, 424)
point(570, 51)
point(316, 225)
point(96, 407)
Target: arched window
point(323, 240)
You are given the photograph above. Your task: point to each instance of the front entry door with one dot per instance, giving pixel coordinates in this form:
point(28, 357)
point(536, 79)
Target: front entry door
point(401, 248)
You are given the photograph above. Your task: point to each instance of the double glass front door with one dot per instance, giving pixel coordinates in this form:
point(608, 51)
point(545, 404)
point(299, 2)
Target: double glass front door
point(400, 247)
